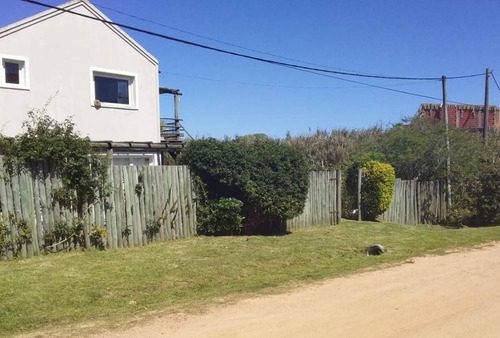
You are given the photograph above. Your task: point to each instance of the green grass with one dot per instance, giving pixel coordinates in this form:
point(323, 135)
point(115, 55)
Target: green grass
point(112, 287)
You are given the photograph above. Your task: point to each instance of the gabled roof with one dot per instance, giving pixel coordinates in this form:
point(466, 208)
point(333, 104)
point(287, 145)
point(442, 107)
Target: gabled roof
point(69, 6)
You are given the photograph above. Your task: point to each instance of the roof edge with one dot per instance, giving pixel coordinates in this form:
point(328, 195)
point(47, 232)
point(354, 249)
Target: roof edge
point(457, 106)
point(68, 6)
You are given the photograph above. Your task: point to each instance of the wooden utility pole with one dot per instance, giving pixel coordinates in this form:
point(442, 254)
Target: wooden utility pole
point(360, 178)
point(176, 115)
point(448, 161)
point(486, 106)
point(177, 122)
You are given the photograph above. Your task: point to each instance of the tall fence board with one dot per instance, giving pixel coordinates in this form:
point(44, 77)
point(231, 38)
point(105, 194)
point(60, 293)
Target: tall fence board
point(323, 205)
point(144, 204)
point(416, 202)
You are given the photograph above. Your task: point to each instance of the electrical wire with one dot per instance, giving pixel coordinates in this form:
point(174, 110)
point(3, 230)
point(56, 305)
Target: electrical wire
point(273, 62)
point(220, 41)
point(284, 86)
point(382, 87)
point(493, 76)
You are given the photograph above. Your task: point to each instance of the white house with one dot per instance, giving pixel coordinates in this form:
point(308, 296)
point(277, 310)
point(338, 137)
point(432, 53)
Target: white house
point(87, 69)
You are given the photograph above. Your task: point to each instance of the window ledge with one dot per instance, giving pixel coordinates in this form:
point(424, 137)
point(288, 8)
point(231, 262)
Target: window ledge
point(18, 87)
point(113, 106)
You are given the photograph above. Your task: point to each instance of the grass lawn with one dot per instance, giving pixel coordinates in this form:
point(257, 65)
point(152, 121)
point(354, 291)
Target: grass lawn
point(112, 287)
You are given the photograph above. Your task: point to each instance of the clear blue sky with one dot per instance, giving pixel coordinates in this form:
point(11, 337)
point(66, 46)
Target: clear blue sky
point(226, 95)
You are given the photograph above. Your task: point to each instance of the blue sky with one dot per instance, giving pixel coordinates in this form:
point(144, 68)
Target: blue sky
point(226, 95)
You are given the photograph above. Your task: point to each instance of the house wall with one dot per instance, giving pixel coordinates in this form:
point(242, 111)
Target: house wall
point(61, 48)
point(463, 116)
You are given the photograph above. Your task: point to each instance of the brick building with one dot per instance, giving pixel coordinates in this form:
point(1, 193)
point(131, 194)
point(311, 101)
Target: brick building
point(462, 115)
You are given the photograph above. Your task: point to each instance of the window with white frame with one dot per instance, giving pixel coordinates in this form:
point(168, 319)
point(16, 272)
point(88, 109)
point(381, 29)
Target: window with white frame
point(14, 72)
point(113, 89)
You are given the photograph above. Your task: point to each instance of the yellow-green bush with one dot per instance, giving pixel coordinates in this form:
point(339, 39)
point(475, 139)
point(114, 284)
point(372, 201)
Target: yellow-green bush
point(377, 188)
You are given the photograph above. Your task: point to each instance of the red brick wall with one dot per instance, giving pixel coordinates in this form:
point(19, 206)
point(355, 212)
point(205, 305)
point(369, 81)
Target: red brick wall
point(462, 116)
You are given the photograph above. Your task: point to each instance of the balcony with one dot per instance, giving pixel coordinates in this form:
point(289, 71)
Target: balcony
point(172, 130)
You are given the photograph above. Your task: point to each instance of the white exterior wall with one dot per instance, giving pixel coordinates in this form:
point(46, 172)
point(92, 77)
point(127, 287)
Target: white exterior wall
point(61, 50)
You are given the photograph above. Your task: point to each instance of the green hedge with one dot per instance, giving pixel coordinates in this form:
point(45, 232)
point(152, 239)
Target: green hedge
point(377, 188)
point(269, 177)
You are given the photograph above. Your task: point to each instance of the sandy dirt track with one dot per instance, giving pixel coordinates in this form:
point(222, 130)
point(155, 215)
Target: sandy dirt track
point(456, 295)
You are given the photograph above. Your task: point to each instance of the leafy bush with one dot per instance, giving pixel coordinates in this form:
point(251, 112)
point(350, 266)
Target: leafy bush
point(58, 147)
point(377, 188)
point(326, 149)
point(47, 146)
point(269, 177)
point(221, 217)
point(350, 184)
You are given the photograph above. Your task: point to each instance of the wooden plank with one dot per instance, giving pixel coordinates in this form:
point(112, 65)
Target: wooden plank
point(38, 213)
point(118, 211)
point(143, 217)
point(338, 188)
point(167, 188)
point(133, 239)
point(173, 208)
point(29, 210)
point(192, 206)
point(182, 201)
point(138, 206)
point(48, 196)
point(16, 198)
point(157, 199)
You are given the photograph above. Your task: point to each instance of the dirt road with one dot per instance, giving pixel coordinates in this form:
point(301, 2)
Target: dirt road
point(457, 295)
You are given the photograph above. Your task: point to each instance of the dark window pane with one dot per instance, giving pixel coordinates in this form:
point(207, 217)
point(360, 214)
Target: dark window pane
point(11, 72)
point(111, 90)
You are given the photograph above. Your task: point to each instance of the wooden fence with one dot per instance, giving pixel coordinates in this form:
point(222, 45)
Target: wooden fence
point(323, 205)
point(416, 202)
point(146, 203)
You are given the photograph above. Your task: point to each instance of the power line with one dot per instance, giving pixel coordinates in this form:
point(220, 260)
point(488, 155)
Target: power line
point(493, 76)
point(273, 62)
point(381, 87)
point(284, 86)
point(220, 41)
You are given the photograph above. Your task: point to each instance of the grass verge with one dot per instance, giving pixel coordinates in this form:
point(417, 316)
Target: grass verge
point(50, 292)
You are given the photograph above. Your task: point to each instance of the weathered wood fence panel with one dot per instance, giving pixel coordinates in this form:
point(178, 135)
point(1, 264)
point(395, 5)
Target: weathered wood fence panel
point(323, 205)
point(144, 204)
point(416, 202)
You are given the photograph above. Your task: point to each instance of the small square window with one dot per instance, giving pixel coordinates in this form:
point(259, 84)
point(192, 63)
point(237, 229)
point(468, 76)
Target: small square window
point(14, 72)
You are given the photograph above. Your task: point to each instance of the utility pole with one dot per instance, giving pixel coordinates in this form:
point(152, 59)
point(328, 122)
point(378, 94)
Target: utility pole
point(448, 161)
point(486, 106)
point(360, 180)
point(176, 114)
point(177, 124)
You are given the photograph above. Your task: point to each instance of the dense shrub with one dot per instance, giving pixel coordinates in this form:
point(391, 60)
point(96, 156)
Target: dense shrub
point(377, 188)
point(325, 149)
point(220, 217)
point(269, 177)
point(57, 146)
point(47, 146)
